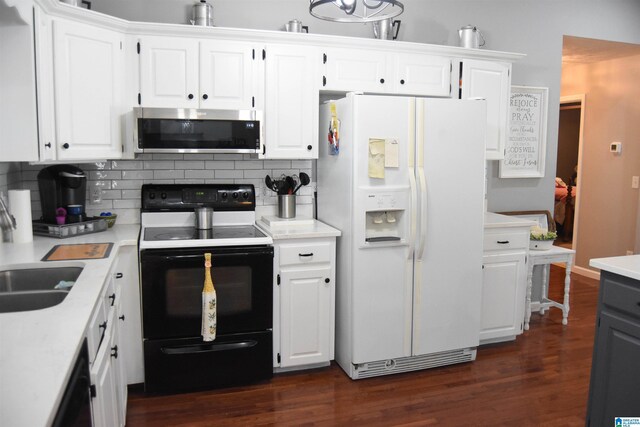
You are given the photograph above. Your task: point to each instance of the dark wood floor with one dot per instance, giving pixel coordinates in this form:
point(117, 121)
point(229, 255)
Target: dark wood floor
point(540, 379)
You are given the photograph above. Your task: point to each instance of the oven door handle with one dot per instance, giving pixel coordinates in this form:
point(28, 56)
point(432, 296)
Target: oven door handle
point(208, 348)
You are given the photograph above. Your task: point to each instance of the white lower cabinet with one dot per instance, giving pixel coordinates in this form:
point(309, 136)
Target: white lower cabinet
point(105, 378)
point(304, 297)
point(504, 284)
point(115, 341)
point(103, 384)
point(130, 319)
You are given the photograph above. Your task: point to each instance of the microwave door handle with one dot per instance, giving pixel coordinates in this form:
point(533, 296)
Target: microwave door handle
point(209, 348)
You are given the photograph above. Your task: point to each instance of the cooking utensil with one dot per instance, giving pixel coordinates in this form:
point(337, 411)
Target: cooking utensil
point(304, 180)
point(290, 184)
point(270, 184)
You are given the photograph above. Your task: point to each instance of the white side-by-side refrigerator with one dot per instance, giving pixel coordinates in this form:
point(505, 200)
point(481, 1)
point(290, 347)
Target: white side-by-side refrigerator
point(403, 178)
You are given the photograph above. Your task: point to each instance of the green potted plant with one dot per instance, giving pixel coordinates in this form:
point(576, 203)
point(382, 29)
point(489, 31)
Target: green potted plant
point(541, 239)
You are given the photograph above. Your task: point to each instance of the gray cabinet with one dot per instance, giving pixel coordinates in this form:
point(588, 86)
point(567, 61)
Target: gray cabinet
point(615, 370)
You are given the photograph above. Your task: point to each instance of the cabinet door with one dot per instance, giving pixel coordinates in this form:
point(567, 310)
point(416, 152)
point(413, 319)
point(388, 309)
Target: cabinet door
point(88, 80)
point(103, 404)
point(422, 75)
point(350, 70)
point(226, 75)
point(118, 350)
point(503, 296)
point(169, 72)
point(615, 371)
point(130, 319)
point(305, 316)
point(491, 81)
point(43, 29)
point(291, 103)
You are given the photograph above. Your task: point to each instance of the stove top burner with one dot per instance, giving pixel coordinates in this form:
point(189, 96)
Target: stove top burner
point(156, 234)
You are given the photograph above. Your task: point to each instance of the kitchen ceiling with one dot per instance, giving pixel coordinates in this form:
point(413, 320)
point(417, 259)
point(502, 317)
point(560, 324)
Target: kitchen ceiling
point(580, 50)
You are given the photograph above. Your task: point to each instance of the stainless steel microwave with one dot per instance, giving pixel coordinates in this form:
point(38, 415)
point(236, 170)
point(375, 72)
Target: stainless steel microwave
point(182, 130)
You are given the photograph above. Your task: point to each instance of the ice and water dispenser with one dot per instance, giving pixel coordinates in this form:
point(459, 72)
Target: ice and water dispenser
point(386, 215)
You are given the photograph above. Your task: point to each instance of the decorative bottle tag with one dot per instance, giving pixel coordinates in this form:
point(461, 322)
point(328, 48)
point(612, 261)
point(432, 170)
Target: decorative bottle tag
point(209, 303)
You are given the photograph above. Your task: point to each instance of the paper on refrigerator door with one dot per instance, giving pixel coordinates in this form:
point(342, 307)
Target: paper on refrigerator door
point(376, 157)
point(391, 153)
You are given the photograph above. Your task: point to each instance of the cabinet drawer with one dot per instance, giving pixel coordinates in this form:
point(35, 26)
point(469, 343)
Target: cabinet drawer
point(621, 296)
point(96, 329)
point(110, 294)
point(305, 253)
point(501, 241)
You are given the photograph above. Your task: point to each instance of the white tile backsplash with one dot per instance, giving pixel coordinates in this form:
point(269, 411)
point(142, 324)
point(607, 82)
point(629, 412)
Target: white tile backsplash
point(120, 181)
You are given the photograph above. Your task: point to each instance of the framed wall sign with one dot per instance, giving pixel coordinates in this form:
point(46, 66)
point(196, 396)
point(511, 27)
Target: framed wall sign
point(526, 143)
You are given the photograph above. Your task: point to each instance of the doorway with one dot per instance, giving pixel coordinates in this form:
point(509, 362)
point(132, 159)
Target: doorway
point(606, 205)
point(567, 168)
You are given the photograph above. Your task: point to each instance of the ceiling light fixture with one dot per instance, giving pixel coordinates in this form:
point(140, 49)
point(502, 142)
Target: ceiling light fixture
point(355, 10)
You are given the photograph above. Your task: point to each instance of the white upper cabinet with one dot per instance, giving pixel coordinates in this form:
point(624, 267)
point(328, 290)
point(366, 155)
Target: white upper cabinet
point(347, 70)
point(422, 75)
point(18, 118)
point(187, 73)
point(92, 69)
point(80, 93)
point(227, 72)
point(370, 71)
point(169, 72)
point(492, 81)
point(291, 103)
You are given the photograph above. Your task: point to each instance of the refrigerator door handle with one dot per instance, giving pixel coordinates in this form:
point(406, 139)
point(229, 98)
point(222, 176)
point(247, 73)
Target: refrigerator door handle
point(423, 212)
point(414, 201)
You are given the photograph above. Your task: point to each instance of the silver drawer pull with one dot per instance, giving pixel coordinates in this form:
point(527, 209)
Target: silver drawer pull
point(503, 242)
point(306, 255)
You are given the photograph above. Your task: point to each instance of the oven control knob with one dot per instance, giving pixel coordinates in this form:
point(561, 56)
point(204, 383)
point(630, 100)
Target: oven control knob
point(163, 195)
point(224, 195)
point(235, 195)
point(245, 195)
point(152, 196)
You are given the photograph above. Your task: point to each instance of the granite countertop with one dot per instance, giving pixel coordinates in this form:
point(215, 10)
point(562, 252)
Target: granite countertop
point(38, 347)
point(628, 266)
point(296, 228)
point(494, 220)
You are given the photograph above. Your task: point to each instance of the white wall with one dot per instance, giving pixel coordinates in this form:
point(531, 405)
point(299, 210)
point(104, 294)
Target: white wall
point(533, 27)
point(607, 204)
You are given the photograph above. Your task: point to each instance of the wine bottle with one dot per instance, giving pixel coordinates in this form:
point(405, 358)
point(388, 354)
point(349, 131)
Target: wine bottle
point(209, 303)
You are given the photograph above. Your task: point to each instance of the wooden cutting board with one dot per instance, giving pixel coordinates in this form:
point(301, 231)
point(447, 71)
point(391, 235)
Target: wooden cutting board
point(79, 251)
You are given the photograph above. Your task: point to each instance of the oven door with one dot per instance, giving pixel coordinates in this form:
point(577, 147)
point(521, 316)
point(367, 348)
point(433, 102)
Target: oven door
point(172, 282)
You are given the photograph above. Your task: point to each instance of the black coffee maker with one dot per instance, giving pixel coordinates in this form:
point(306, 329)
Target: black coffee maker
point(61, 186)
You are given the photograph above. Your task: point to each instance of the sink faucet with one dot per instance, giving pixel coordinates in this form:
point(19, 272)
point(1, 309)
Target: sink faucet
point(7, 222)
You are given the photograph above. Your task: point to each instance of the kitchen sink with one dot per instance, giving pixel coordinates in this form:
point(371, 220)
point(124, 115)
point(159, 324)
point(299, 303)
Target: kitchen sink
point(26, 301)
point(36, 279)
point(25, 289)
